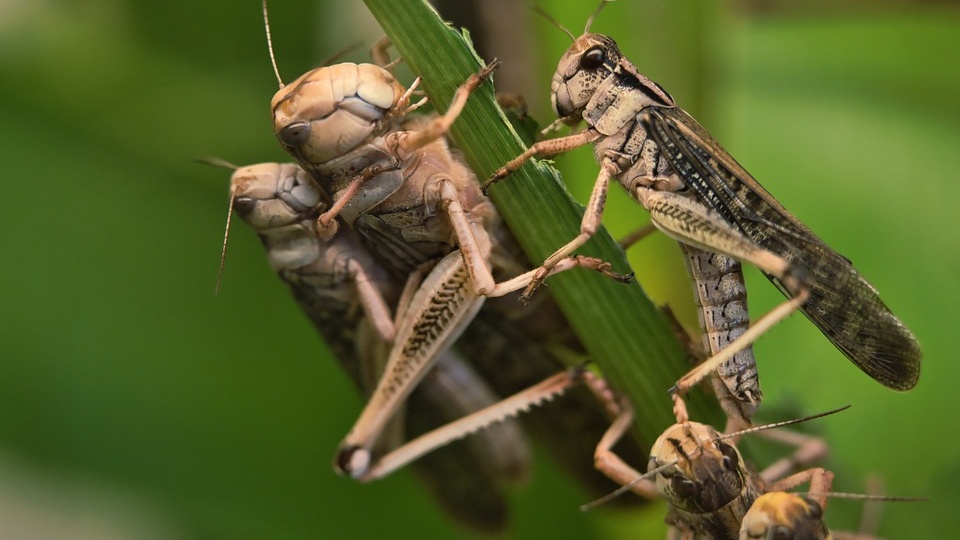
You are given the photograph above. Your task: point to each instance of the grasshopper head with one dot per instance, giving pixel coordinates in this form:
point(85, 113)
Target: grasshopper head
point(280, 203)
point(331, 110)
point(269, 195)
point(707, 473)
point(781, 516)
point(583, 68)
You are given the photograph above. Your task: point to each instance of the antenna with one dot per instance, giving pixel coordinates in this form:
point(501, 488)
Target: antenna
point(217, 162)
point(223, 249)
point(624, 488)
point(540, 11)
point(273, 59)
point(593, 15)
point(780, 424)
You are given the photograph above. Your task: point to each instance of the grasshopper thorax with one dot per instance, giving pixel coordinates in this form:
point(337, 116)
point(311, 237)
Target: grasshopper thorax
point(332, 110)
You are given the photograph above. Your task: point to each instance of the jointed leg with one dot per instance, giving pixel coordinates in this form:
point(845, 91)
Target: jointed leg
point(509, 407)
point(605, 460)
point(588, 226)
point(548, 147)
point(326, 226)
point(372, 302)
point(440, 125)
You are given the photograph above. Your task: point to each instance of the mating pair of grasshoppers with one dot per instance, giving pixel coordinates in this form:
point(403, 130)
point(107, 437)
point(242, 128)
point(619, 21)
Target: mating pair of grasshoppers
point(395, 183)
point(378, 197)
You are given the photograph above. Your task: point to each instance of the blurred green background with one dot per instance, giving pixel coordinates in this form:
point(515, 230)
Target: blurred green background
point(136, 404)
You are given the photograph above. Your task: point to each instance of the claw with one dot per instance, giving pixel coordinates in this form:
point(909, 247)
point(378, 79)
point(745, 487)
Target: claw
point(534, 284)
point(622, 278)
point(525, 298)
point(479, 77)
point(494, 178)
point(489, 69)
point(528, 292)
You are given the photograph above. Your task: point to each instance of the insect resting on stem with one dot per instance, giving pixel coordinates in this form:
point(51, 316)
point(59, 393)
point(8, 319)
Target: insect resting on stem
point(699, 195)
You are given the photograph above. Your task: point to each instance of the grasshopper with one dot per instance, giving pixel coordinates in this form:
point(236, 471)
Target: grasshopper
point(699, 195)
point(387, 175)
point(346, 295)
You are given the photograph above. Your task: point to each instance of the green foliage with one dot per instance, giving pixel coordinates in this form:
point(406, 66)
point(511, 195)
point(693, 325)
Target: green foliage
point(130, 395)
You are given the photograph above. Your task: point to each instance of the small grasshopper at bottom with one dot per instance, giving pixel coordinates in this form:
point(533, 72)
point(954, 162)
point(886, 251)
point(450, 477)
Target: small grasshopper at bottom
point(698, 194)
point(708, 486)
point(710, 490)
point(346, 295)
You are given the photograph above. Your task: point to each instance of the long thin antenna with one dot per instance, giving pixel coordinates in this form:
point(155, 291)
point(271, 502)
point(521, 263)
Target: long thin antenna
point(780, 424)
point(226, 235)
point(593, 15)
point(217, 162)
point(540, 11)
point(864, 497)
point(273, 59)
point(625, 488)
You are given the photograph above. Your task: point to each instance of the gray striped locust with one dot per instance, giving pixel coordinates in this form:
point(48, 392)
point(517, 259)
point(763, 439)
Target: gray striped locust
point(698, 194)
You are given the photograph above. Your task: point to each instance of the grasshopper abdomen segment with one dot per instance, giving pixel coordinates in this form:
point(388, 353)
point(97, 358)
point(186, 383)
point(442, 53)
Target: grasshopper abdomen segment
point(721, 298)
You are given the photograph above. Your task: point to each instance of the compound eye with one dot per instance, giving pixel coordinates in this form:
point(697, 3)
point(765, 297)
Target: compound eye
point(294, 134)
point(685, 488)
point(731, 461)
point(244, 205)
point(593, 58)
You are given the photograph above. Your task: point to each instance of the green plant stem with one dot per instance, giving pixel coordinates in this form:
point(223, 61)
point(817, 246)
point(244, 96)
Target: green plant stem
point(624, 333)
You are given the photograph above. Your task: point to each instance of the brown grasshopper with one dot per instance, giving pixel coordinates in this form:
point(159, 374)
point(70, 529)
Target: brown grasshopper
point(698, 194)
point(346, 295)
